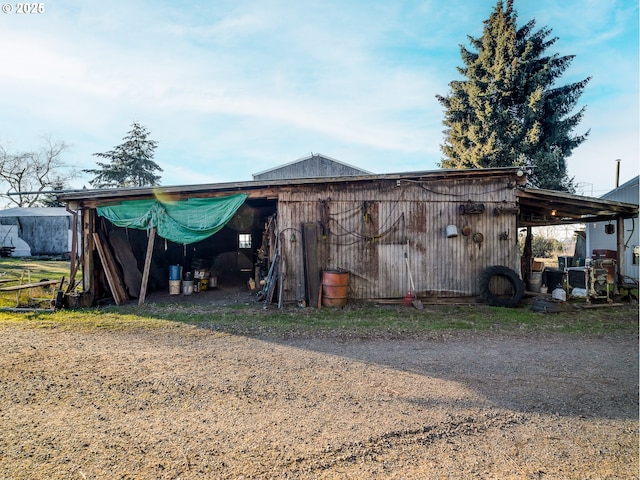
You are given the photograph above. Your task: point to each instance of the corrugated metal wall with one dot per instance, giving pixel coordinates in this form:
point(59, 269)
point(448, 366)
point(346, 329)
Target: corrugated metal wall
point(46, 235)
point(312, 167)
point(368, 228)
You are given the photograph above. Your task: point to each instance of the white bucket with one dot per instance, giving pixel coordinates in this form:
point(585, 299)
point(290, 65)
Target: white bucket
point(452, 231)
point(174, 287)
point(559, 294)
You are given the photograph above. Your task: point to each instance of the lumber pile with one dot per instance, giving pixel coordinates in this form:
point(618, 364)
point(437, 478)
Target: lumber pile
point(113, 277)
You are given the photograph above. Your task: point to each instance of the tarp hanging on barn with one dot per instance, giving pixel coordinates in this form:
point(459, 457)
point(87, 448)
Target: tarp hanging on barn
point(181, 221)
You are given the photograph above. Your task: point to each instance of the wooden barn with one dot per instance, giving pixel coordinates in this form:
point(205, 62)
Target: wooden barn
point(431, 233)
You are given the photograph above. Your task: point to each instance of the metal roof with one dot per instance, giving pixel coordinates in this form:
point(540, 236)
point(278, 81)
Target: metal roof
point(309, 157)
point(35, 212)
point(185, 190)
point(537, 207)
point(540, 207)
point(628, 191)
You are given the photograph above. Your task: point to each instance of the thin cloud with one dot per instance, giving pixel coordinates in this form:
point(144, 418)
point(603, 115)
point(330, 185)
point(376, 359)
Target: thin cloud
point(239, 87)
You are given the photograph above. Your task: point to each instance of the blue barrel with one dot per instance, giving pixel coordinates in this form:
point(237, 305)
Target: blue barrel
point(174, 272)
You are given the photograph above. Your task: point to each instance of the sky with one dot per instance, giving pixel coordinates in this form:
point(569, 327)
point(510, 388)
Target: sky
point(229, 88)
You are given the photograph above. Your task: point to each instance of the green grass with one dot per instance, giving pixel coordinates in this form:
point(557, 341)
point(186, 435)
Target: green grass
point(371, 321)
point(360, 321)
point(363, 320)
point(356, 321)
point(38, 269)
point(16, 271)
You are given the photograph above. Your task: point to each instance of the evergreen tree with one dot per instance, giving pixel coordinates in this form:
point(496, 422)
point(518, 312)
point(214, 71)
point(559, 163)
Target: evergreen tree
point(130, 164)
point(508, 110)
point(50, 199)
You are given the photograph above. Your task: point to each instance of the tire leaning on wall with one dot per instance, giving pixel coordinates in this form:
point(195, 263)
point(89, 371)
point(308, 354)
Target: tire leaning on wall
point(508, 274)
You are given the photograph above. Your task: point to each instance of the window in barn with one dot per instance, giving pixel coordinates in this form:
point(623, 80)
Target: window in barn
point(244, 240)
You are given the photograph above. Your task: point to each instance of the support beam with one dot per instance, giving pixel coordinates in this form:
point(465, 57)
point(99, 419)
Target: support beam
point(620, 245)
point(73, 267)
point(88, 247)
point(147, 266)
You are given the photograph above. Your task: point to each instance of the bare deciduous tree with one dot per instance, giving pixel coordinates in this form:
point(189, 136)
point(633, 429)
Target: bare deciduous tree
point(26, 177)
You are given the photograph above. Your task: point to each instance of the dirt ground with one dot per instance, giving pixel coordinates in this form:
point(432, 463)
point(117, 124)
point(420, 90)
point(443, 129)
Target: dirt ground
point(187, 402)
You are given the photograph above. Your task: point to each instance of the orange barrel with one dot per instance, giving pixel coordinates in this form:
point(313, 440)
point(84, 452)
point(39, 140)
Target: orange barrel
point(335, 284)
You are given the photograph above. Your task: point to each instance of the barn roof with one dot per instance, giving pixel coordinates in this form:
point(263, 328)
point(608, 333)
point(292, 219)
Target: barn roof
point(537, 207)
point(314, 165)
point(540, 207)
point(185, 191)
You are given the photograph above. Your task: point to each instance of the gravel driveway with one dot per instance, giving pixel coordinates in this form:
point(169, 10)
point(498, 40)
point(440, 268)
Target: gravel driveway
point(186, 402)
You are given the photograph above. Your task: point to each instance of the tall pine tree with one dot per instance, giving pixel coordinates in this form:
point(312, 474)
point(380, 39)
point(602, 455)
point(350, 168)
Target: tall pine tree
point(508, 110)
point(130, 163)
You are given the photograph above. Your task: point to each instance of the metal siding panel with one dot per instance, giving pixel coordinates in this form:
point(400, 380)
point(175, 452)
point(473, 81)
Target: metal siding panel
point(313, 167)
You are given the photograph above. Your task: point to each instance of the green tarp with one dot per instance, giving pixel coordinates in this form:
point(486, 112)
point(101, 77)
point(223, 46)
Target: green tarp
point(181, 221)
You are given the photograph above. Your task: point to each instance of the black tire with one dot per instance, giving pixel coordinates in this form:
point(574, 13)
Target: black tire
point(495, 299)
point(544, 305)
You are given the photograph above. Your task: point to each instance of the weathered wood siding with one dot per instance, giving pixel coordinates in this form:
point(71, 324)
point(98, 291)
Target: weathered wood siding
point(367, 228)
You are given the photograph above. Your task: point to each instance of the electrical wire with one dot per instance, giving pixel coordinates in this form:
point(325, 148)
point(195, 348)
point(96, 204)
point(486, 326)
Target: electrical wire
point(447, 194)
point(633, 229)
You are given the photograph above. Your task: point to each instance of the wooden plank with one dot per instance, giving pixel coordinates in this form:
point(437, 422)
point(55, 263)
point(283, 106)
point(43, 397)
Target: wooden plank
point(147, 266)
point(274, 279)
point(29, 285)
point(281, 269)
point(73, 268)
point(89, 272)
point(126, 259)
point(311, 262)
point(427, 301)
point(112, 277)
point(24, 309)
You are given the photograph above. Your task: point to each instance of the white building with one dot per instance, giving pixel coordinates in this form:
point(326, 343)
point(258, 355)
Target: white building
point(603, 235)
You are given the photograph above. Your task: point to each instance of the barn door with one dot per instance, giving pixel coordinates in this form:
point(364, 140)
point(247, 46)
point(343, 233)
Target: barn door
point(245, 253)
point(393, 279)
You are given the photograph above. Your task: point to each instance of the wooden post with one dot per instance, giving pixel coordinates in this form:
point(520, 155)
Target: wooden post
point(88, 247)
point(311, 261)
point(620, 247)
point(527, 256)
point(147, 266)
point(74, 252)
